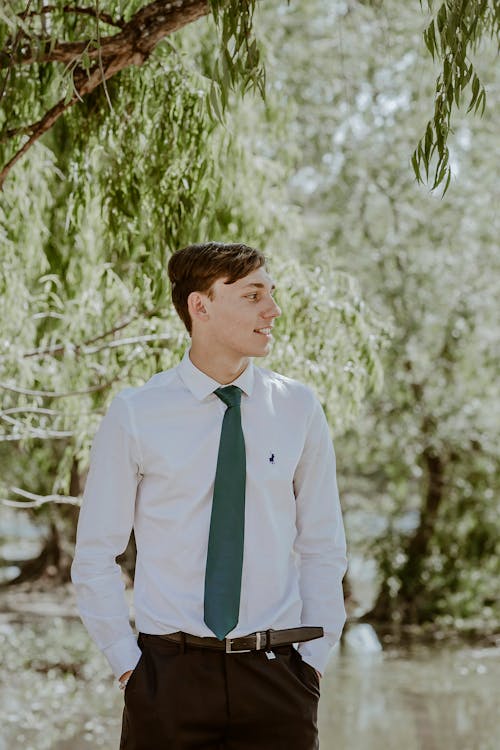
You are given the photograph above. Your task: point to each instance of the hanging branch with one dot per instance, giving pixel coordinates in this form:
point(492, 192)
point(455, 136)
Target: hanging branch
point(131, 46)
point(451, 35)
point(94, 60)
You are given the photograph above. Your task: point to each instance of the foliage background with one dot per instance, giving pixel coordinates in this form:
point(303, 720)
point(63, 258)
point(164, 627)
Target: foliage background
point(389, 292)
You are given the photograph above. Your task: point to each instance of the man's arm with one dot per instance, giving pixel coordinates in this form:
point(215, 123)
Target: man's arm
point(104, 526)
point(320, 541)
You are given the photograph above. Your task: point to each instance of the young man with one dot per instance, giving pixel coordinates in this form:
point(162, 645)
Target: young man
point(226, 473)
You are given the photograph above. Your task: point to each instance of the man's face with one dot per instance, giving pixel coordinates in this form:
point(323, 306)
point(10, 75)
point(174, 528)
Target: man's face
point(240, 315)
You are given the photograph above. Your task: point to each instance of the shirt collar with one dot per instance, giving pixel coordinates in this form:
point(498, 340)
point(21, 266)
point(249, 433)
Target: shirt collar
point(202, 385)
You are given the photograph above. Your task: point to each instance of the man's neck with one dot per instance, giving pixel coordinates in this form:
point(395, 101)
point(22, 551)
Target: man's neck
point(223, 369)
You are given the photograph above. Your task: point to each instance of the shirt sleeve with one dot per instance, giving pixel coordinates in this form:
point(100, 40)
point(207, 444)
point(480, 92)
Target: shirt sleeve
point(104, 527)
point(320, 541)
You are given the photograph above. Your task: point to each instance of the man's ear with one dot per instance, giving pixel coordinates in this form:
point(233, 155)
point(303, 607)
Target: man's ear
point(196, 306)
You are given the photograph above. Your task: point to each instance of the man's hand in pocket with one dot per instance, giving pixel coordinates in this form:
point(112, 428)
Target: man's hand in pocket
point(124, 679)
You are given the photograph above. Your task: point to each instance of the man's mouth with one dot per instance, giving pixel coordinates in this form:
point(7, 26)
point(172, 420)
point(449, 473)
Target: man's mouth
point(264, 331)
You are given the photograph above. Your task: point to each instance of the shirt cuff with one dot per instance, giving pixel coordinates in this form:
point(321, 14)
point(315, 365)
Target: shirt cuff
point(123, 655)
point(316, 653)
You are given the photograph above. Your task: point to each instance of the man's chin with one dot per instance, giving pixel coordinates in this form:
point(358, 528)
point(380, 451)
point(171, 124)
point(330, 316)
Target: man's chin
point(261, 351)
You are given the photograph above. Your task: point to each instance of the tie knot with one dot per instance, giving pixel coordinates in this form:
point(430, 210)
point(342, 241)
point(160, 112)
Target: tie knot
point(230, 394)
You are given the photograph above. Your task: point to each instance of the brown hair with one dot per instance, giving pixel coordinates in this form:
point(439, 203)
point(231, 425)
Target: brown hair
point(195, 268)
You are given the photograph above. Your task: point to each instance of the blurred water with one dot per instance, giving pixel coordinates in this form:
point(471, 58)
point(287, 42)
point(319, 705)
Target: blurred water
point(20, 539)
point(426, 698)
point(56, 693)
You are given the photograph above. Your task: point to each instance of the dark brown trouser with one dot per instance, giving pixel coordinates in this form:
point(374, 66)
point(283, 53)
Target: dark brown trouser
point(197, 699)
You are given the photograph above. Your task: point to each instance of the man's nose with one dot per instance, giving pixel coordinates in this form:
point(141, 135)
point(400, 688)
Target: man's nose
point(274, 311)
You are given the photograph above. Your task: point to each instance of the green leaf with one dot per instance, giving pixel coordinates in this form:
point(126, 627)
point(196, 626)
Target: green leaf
point(431, 42)
point(416, 167)
point(481, 102)
point(429, 138)
point(448, 179)
point(467, 76)
point(475, 92)
point(215, 102)
point(441, 18)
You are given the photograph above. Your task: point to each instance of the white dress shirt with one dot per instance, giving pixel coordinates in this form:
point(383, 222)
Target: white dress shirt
point(152, 467)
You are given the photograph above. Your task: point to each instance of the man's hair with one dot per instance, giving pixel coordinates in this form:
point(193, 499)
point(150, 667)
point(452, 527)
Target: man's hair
point(195, 268)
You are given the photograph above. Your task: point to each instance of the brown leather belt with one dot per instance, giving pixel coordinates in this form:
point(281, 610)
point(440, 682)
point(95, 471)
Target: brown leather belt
point(263, 640)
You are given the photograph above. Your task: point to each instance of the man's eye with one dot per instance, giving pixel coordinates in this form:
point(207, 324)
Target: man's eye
point(252, 296)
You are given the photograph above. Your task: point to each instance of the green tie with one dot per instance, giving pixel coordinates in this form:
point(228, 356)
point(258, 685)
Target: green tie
point(227, 522)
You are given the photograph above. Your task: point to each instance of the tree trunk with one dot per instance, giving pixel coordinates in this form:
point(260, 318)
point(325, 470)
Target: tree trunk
point(407, 604)
point(53, 563)
point(45, 564)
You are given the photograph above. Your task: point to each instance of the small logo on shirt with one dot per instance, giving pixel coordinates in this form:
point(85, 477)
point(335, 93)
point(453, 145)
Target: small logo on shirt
point(271, 458)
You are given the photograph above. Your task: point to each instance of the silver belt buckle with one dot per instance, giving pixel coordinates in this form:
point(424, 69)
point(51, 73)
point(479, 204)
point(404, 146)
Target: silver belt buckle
point(258, 645)
point(231, 650)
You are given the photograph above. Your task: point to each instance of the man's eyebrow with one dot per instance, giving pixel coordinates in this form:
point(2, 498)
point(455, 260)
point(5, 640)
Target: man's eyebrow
point(259, 285)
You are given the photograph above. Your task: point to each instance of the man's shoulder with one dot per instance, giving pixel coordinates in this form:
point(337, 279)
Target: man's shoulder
point(168, 379)
point(284, 384)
